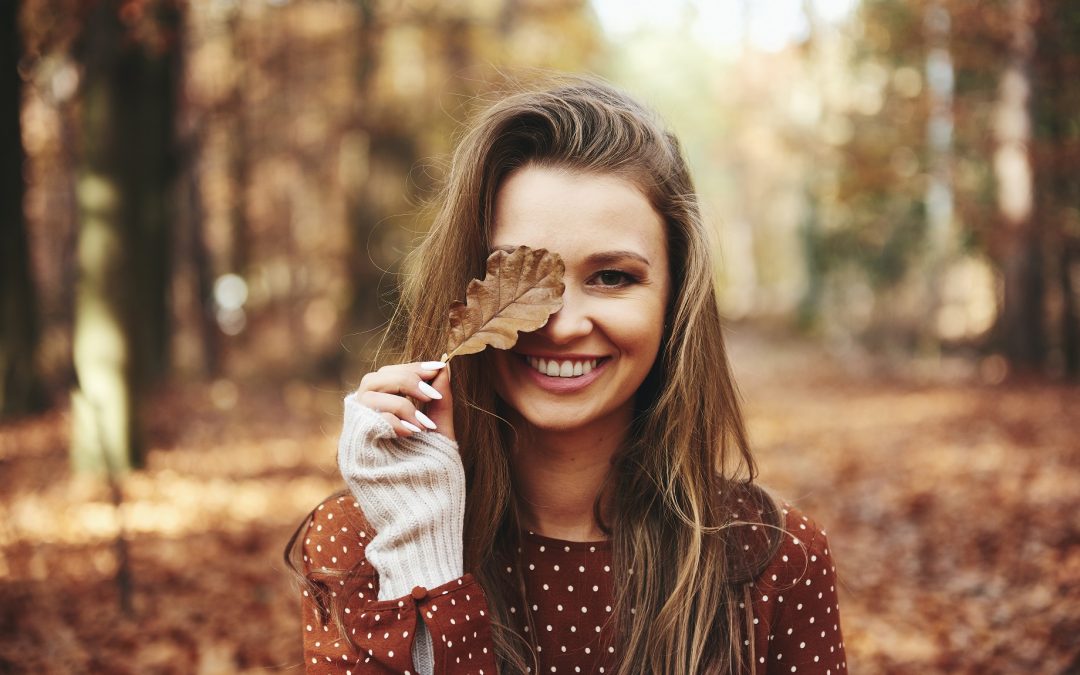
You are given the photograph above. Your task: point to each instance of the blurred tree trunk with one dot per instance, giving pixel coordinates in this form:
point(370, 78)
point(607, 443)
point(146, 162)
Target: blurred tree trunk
point(380, 155)
point(361, 207)
point(1056, 112)
point(121, 310)
point(238, 149)
point(1020, 326)
point(808, 311)
point(152, 78)
point(939, 199)
point(194, 265)
point(20, 390)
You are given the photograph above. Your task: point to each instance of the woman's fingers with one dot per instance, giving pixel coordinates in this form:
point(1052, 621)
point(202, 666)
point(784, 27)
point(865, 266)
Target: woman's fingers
point(401, 428)
point(441, 410)
point(389, 389)
point(406, 379)
point(399, 411)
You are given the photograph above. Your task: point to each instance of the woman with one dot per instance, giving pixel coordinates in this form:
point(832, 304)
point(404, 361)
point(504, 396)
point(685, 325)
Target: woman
point(611, 523)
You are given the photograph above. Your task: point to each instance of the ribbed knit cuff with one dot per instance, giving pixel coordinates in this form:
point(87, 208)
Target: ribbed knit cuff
point(423, 651)
point(412, 491)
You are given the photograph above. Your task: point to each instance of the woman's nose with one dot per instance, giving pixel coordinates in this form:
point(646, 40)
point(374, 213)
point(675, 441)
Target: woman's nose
point(572, 321)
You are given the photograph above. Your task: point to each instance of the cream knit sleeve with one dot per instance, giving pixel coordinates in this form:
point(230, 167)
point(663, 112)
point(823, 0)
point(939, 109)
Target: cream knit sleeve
point(412, 491)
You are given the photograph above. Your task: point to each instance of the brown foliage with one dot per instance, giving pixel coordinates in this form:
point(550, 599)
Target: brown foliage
point(950, 510)
point(520, 291)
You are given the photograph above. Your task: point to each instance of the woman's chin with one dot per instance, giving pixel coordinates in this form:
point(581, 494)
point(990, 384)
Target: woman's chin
point(562, 416)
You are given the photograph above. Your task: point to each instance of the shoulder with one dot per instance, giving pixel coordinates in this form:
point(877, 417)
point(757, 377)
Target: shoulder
point(334, 538)
point(771, 536)
point(801, 575)
point(795, 605)
point(804, 552)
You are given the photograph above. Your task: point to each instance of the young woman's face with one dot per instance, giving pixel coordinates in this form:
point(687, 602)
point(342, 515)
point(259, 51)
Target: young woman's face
point(585, 365)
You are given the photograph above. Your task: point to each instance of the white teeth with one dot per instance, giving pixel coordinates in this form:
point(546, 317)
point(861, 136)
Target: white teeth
point(555, 368)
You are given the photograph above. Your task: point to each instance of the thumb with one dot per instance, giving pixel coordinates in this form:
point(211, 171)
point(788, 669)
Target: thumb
point(441, 411)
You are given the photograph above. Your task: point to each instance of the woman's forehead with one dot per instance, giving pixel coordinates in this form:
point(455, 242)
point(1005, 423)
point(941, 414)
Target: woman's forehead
point(576, 214)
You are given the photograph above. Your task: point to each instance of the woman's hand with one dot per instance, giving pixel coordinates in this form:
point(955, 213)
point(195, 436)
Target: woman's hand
point(404, 469)
point(389, 389)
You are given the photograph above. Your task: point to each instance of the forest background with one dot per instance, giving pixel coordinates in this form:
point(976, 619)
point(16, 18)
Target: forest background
point(203, 206)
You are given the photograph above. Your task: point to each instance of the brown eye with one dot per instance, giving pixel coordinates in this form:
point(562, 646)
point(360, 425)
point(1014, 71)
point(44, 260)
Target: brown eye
point(613, 278)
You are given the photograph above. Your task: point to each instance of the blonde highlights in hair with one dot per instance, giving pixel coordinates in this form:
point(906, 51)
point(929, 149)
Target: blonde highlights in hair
point(673, 488)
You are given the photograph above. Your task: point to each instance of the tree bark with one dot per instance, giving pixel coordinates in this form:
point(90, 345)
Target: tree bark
point(121, 308)
point(239, 148)
point(1056, 61)
point(1020, 327)
point(148, 79)
point(20, 386)
point(198, 254)
point(381, 154)
point(940, 230)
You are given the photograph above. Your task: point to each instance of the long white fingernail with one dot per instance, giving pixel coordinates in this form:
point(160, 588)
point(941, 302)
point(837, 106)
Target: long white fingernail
point(411, 427)
point(425, 420)
point(432, 365)
point(429, 390)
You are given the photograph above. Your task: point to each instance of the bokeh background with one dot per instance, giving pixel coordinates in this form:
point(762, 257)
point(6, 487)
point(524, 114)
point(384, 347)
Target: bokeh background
point(203, 206)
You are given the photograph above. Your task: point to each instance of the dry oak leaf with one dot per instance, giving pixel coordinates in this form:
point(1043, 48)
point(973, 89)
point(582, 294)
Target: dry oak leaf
point(520, 290)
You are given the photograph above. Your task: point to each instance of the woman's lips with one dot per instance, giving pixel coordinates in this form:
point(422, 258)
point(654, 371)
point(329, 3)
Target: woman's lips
point(563, 385)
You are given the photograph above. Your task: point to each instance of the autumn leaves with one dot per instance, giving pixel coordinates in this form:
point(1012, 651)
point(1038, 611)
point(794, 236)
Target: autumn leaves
point(519, 292)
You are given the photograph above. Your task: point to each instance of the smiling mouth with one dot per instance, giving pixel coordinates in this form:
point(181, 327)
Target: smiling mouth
point(562, 368)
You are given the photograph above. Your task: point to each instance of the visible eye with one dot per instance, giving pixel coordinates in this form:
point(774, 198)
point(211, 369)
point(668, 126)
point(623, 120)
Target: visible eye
point(614, 278)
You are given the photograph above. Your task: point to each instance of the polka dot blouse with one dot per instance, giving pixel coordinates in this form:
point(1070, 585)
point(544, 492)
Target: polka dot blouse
point(569, 603)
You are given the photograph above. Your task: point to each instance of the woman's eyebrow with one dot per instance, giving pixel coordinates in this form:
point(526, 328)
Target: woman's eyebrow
point(611, 257)
point(599, 258)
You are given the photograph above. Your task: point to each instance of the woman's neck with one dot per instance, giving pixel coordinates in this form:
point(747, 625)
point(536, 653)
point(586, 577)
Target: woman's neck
point(558, 475)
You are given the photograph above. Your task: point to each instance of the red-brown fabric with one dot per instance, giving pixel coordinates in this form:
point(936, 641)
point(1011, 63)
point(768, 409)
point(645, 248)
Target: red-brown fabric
point(570, 600)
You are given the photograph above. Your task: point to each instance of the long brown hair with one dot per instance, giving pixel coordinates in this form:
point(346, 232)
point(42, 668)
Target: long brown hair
point(675, 485)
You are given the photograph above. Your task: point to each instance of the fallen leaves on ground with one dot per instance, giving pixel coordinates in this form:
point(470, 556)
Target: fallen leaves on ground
point(950, 509)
